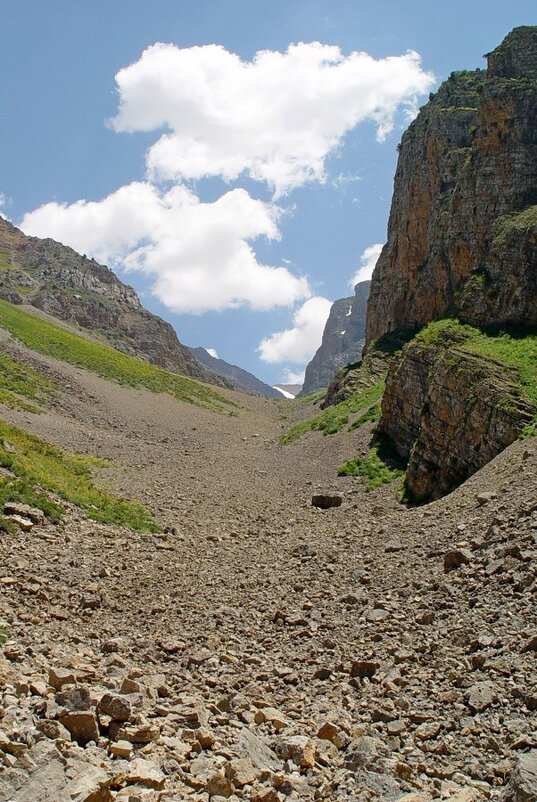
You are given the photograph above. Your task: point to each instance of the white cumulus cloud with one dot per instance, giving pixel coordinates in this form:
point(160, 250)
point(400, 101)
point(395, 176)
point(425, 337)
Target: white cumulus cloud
point(276, 117)
point(198, 255)
point(368, 260)
point(299, 343)
point(212, 352)
point(293, 376)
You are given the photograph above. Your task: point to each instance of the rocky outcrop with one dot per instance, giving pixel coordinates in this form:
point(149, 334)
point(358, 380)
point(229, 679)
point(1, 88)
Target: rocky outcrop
point(449, 412)
point(462, 235)
point(57, 280)
point(343, 339)
point(239, 378)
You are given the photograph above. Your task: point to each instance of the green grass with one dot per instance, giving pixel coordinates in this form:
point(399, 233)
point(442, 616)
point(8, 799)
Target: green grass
point(516, 350)
point(20, 384)
point(313, 398)
point(519, 222)
point(333, 419)
point(375, 470)
point(46, 338)
point(40, 468)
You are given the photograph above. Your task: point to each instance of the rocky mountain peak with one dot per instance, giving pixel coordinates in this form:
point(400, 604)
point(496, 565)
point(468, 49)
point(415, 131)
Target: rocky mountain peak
point(56, 279)
point(516, 56)
point(343, 339)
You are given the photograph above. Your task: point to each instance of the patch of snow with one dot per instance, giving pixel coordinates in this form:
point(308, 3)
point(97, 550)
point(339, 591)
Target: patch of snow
point(283, 392)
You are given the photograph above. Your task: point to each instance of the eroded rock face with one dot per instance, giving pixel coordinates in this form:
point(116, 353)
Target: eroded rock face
point(462, 235)
point(449, 412)
point(56, 279)
point(343, 339)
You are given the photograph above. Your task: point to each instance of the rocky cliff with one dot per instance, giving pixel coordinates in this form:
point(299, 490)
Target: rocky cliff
point(56, 279)
point(239, 378)
point(462, 234)
point(449, 408)
point(343, 339)
point(462, 242)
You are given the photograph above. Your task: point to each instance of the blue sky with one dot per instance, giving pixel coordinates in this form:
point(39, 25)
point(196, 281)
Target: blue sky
point(239, 234)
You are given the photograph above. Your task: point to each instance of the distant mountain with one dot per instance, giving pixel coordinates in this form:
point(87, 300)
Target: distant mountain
point(288, 390)
point(56, 279)
point(343, 339)
point(239, 378)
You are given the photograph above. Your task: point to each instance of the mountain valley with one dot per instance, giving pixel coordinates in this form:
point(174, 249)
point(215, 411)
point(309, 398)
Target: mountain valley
point(212, 595)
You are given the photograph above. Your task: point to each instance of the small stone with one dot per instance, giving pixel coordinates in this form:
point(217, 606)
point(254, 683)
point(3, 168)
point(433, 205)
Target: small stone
point(23, 523)
point(58, 677)
point(455, 558)
point(327, 500)
point(480, 696)
point(299, 749)
point(121, 749)
point(363, 669)
point(82, 725)
point(115, 706)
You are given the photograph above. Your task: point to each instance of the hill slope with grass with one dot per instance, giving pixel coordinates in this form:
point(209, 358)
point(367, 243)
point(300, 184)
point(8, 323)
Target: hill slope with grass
point(71, 287)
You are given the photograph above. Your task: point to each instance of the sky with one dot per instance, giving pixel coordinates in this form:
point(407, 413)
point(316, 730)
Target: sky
point(232, 160)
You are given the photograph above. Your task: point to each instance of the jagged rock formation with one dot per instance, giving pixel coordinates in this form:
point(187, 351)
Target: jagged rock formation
point(52, 277)
point(343, 339)
point(239, 378)
point(462, 235)
point(449, 412)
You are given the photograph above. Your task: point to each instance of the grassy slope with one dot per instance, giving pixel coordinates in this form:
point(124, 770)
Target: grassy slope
point(47, 338)
point(333, 419)
point(39, 467)
point(23, 387)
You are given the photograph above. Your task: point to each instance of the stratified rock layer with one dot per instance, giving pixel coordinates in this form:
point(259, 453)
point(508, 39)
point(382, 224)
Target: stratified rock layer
point(343, 339)
point(449, 412)
point(462, 235)
point(54, 278)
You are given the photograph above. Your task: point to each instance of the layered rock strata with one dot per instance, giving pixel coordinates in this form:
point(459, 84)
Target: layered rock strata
point(462, 234)
point(449, 412)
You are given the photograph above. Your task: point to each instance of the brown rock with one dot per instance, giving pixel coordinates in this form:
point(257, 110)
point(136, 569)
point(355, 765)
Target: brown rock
point(82, 725)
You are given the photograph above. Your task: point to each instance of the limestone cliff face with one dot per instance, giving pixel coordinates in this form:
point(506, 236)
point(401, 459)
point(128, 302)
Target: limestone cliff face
point(462, 234)
point(343, 339)
point(56, 279)
point(449, 412)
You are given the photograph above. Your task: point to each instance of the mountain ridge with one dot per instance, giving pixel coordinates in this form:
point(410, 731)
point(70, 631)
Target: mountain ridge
point(56, 279)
